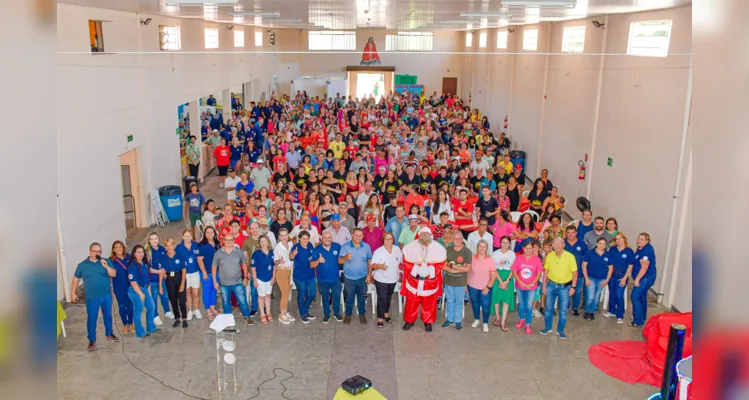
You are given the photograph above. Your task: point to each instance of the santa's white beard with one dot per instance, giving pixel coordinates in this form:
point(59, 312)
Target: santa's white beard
point(425, 241)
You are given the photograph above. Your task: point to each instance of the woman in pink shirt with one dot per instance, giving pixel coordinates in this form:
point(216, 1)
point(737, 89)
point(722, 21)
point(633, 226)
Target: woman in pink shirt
point(481, 278)
point(503, 227)
point(527, 271)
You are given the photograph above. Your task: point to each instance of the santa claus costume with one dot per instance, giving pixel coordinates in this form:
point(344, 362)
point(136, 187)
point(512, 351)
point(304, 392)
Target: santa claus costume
point(422, 279)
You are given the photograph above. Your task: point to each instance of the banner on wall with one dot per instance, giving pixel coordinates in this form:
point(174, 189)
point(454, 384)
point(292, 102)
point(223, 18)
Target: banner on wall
point(417, 89)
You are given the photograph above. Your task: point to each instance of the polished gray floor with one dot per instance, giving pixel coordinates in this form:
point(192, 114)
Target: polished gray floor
point(444, 364)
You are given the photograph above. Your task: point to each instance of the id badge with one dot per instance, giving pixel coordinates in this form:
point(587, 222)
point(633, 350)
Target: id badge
point(171, 274)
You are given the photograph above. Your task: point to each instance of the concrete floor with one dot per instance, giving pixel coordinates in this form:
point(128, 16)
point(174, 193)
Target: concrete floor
point(446, 364)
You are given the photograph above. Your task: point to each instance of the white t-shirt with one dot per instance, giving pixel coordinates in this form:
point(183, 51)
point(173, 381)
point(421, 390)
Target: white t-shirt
point(282, 253)
point(261, 178)
point(392, 260)
point(473, 241)
point(314, 236)
point(361, 201)
point(503, 261)
point(231, 182)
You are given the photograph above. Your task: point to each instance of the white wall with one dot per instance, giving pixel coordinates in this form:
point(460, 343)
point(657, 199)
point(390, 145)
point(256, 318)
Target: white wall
point(105, 97)
point(551, 102)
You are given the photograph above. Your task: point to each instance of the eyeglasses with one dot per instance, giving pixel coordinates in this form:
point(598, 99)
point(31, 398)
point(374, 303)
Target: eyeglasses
point(96, 251)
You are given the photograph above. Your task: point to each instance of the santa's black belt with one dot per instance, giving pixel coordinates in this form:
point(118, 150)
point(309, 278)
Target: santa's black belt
point(422, 278)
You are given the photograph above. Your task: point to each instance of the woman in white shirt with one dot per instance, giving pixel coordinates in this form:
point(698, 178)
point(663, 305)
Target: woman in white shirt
point(504, 287)
point(210, 213)
point(442, 204)
point(283, 273)
point(386, 262)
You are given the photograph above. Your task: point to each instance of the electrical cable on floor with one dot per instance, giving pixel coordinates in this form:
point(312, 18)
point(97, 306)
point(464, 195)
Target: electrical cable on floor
point(122, 340)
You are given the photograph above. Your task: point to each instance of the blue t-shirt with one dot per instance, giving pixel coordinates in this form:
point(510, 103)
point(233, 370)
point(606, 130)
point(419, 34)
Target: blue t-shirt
point(621, 260)
point(236, 152)
point(302, 260)
point(207, 251)
point(357, 267)
point(582, 230)
point(120, 281)
point(263, 264)
point(249, 187)
point(195, 203)
point(598, 265)
point(96, 279)
point(578, 250)
point(138, 273)
point(328, 271)
point(645, 253)
point(155, 258)
point(190, 256)
point(173, 265)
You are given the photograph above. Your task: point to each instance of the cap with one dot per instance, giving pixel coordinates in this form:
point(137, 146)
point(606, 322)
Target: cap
point(371, 217)
point(425, 229)
point(215, 131)
point(230, 169)
point(193, 184)
point(413, 217)
point(335, 217)
point(260, 161)
point(518, 166)
point(343, 203)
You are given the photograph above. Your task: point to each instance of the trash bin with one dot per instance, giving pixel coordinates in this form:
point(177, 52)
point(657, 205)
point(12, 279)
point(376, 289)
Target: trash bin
point(518, 157)
point(171, 200)
point(187, 181)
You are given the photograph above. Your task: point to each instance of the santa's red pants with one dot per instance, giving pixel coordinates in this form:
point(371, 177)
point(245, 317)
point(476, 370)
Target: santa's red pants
point(428, 308)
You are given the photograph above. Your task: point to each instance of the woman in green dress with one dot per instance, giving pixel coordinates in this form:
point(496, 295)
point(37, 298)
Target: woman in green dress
point(504, 287)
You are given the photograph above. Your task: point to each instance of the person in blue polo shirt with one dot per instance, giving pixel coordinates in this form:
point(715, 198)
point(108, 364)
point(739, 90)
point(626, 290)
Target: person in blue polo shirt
point(621, 258)
point(645, 272)
point(211, 101)
point(597, 270)
point(263, 276)
point(96, 274)
point(305, 260)
point(328, 278)
point(578, 249)
point(189, 251)
point(356, 257)
point(154, 252)
point(138, 274)
point(175, 266)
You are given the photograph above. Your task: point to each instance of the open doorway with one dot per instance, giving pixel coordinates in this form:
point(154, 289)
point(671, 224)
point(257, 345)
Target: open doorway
point(370, 84)
point(131, 191)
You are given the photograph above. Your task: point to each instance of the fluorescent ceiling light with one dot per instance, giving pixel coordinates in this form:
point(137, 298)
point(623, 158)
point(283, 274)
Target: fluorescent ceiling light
point(290, 21)
point(482, 14)
point(273, 14)
point(539, 3)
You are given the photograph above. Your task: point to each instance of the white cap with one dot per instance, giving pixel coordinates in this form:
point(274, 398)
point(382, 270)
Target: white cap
point(425, 229)
point(413, 217)
point(260, 161)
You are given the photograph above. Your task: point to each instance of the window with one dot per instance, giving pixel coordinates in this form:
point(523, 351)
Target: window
point(573, 39)
point(258, 38)
point(96, 39)
point(502, 39)
point(409, 41)
point(332, 40)
point(469, 39)
point(169, 37)
point(238, 38)
point(211, 38)
point(482, 40)
point(530, 40)
point(649, 38)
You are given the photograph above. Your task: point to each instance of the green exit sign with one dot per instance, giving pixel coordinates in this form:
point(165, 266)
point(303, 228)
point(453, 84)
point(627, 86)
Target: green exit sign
point(129, 138)
point(610, 162)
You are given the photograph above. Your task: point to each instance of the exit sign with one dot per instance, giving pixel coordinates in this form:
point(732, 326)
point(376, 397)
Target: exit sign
point(129, 138)
point(610, 162)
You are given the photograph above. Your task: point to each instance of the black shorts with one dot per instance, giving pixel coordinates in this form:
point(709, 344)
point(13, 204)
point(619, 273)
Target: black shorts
point(222, 170)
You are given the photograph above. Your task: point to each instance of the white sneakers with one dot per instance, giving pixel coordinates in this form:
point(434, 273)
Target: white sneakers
point(475, 324)
point(619, 321)
point(486, 328)
point(290, 318)
point(189, 315)
point(169, 315)
point(197, 314)
point(608, 314)
point(157, 320)
point(537, 314)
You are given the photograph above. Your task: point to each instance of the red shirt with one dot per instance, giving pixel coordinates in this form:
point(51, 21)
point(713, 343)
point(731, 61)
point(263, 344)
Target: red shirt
point(467, 207)
point(222, 154)
point(238, 239)
point(412, 199)
point(374, 237)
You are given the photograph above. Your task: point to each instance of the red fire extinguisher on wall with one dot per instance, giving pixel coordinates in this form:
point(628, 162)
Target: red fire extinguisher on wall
point(581, 174)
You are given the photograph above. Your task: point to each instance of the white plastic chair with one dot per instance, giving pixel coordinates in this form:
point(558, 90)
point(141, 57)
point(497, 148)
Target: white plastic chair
point(605, 298)
point(298, 209)
point(201, 229)
point(573, 222)
point(371, 290)
point(526, 193)
point(515, 216)
point(444, 305)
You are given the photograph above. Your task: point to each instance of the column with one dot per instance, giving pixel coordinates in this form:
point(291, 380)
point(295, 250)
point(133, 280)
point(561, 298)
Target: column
point(226, 104)
point(195, 130)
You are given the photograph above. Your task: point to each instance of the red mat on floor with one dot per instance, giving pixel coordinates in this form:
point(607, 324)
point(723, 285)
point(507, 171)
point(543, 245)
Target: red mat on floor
point(624, 360)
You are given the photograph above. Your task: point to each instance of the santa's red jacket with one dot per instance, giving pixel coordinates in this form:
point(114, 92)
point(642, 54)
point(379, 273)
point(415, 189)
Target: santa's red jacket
point(422, 269)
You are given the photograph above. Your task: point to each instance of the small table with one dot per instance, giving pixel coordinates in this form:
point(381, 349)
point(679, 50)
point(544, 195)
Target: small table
point(369, 394)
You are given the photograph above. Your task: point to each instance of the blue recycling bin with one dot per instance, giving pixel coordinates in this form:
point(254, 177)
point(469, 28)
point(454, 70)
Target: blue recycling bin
point(518, 157)
point(171, 200)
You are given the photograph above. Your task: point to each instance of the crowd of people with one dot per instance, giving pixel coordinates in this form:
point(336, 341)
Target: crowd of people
point(347, 199)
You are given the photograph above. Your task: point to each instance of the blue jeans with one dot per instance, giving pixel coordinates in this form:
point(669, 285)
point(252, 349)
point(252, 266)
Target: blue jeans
point(253, 295)
point(356, 289)
point(305, 292)
point(575, 302)
point(640, 300)
point(556, 291)
point(328, 289)
point(454, 298)
point(233, 163)
point(525, 305)
point(480, 303)
point(156, 297)
point(138, 305)
point(92, 309)
point(239, 292)
point(616, 297)
point(209, 292)
point(593, 294)
point(125, 305)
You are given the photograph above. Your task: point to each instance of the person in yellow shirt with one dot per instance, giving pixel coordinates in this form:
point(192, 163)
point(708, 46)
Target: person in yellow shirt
point(506, 164)
point(560, 282)
point(337, 146)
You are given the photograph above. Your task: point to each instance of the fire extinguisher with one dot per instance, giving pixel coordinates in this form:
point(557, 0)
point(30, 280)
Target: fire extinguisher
point(581, 174)
point(505, 121)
